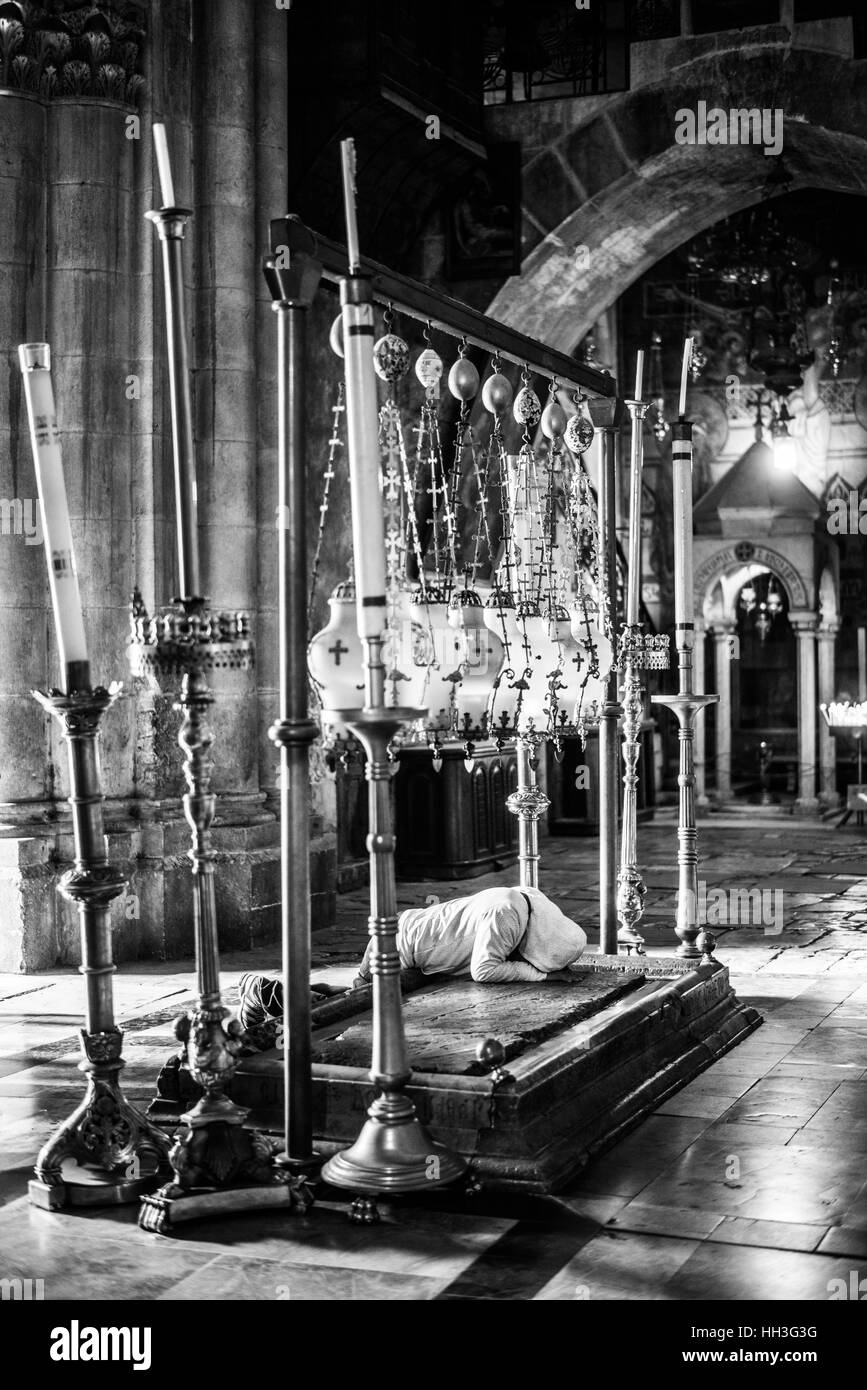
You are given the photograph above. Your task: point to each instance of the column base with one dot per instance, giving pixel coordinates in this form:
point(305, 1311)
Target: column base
point(807, 806)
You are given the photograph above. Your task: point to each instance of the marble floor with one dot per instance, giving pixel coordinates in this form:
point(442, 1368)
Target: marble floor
point(750, 1183)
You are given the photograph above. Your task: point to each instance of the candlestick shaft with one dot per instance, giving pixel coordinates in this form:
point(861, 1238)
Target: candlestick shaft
point(170, 223)
point(630, 885)
point(681, 464)
point(362, 433)
point(35, 360)
point(637, 411)
point(686, 705)
point(862, 664)
point(528, 803)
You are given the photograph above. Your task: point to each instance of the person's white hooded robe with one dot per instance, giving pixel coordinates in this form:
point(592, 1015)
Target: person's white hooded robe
point(477, 935)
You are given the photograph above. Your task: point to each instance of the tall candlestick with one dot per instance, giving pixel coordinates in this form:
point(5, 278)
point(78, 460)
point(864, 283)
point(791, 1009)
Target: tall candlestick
point(862, 664)
point(681, 463)
point(687, 358)
point(170, 223)
point(362, 435)
point(164, 167)
point(35, 360)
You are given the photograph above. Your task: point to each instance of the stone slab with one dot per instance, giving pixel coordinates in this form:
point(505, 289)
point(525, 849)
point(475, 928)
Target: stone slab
point(568, 1093)
point(444, 1023)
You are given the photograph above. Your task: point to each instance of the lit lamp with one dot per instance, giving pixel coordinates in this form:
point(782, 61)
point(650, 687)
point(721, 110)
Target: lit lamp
point(782, 443)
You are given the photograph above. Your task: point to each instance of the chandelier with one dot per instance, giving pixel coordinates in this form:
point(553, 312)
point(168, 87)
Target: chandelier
point(761, 603)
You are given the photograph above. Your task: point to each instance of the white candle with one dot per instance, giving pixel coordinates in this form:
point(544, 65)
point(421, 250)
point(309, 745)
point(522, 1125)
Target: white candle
point(164, 167)
point(35, 360)
point(347, 160)
point(687, 358)
point(862, 663)
point(633, 580)
point(681, 462)
point(639, 374)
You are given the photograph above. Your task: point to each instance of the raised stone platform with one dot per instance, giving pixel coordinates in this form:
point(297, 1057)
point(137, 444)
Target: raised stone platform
point(585, 1061)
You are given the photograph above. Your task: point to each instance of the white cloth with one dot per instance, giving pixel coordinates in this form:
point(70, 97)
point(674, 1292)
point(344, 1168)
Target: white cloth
point(476, 936)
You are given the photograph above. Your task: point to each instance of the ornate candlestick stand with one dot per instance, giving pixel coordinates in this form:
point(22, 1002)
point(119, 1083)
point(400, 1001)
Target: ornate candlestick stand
point(394, 1152)
point(529, 803)
point(116, 1150)
point(293, 288)
point(686, 704)
point(219, 1166)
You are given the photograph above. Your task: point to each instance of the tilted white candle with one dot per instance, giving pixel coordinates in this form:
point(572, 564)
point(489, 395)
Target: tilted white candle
point(35, 361)
point(347, 160)
point(681, 464)
point(687, 358)
point(639, 373)
point(862, 664)
point(164, 167)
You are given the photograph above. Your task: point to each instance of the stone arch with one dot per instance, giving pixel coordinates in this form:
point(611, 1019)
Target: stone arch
point(731, 571)
point(652, 194)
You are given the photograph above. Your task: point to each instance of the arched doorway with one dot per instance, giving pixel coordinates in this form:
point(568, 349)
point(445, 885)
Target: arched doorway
point(764, 704)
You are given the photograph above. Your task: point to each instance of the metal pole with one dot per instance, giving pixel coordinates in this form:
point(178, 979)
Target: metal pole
point(609, 798)
point(293, 280)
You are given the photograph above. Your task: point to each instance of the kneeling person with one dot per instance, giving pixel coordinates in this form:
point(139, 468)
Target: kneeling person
point(497, 936)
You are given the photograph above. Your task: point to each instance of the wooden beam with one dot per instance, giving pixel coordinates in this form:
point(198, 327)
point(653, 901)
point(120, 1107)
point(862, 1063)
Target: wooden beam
point(451, 316)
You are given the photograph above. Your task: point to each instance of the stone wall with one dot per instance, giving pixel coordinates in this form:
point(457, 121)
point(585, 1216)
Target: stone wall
point(83, 273)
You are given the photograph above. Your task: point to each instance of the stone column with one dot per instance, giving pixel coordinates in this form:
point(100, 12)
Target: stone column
point(723, 661)
point(698, 683)
point(828, 796)
point(804, 624)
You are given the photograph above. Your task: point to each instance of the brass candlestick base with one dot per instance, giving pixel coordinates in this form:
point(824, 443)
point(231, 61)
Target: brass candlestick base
point(394, 1152)
point(106, 1153)
point(219, 1166)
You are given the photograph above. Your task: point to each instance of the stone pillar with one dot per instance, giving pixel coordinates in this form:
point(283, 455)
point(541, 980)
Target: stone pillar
point(698, 683)
point(804, 624)
point(828, 795)
point(723, 662)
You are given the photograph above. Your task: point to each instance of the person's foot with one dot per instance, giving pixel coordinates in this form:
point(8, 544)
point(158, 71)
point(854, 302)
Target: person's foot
point(251, 1010)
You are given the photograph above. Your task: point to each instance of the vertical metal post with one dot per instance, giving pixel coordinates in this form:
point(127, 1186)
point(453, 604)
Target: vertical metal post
point(608, 741)
point(607, 417)
point(293, 275)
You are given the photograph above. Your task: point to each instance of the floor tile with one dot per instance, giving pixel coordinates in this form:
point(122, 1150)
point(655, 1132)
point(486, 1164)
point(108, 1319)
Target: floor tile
point(773, 1235)
point(620, 1265)
point(243, 1280)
